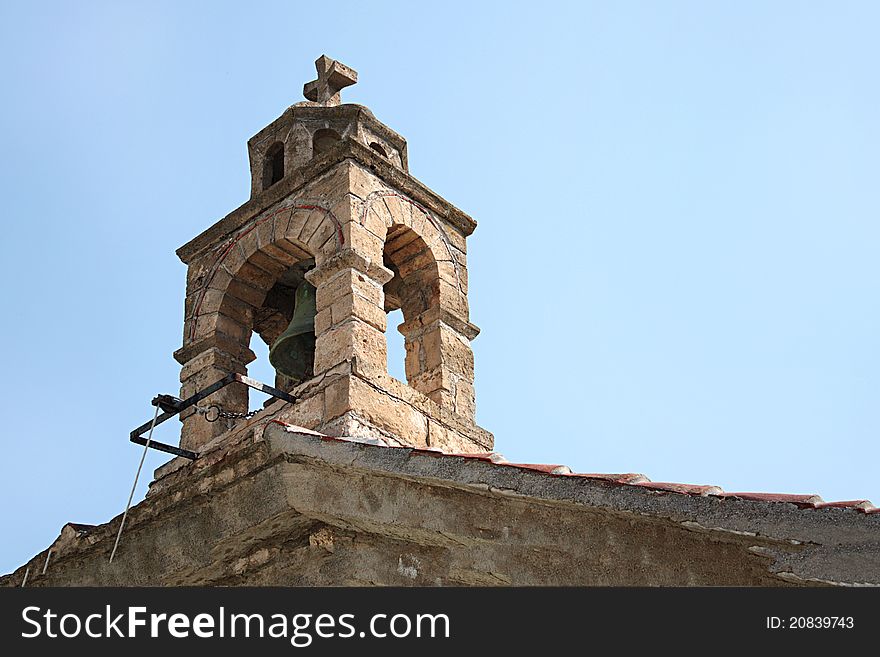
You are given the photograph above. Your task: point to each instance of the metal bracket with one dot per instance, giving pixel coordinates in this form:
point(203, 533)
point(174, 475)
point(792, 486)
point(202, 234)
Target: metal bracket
point(163, 402)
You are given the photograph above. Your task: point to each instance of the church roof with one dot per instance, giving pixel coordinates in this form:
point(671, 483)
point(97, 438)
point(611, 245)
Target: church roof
point(804, 501)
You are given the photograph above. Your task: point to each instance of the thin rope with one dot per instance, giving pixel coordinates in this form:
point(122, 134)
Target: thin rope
point(46, 565)
point(134, 485)
point(24, 580)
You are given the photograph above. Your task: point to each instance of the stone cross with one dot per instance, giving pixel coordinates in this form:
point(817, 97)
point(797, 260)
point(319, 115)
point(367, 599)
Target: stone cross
point(332, 77)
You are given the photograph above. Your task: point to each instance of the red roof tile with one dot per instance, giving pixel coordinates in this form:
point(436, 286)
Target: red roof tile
point(689, 489)
point(861, 505)
point(626, 479)
point(800, 500)
point(546, 468)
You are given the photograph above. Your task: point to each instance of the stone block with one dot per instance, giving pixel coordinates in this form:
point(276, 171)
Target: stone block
point(246, 242)
point(407, 424)
point(307, 412)
point(363, 241)
point(325, 230)
point(347, 282)
point(445, 348)
point(249, 274)
point(399, 209)
point(353, 339)
point(282, 255)
point(246, 293)
point(465, 404)
point(315, 219)
point(337, 400)
point(323, 321)
point(453, 301)
point(212, 358)
point(269, 264)
point(373, 222)
point(455, 238)
point(355, 306)
point(361, 182)
point(265, 230)
point(232, 328)
point(218, 279)
point(290, 230)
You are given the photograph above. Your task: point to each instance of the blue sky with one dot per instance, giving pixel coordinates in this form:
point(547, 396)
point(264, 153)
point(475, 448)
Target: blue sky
point(675, 268)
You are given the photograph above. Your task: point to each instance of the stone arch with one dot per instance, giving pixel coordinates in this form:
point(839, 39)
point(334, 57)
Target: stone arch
point(415, 287)
point(324, 140)
point(430, 286)
point(229, 300)
point(273, 164)
point(246, 266)
point(383, 211)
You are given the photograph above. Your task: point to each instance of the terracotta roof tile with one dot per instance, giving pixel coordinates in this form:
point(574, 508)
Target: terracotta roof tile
point(493, 457)
point(689, 489)
point(546, 468)
point(625, 479)
point(800, 500)
point(861, 505)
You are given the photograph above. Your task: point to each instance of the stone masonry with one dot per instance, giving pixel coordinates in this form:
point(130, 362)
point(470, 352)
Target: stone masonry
point(332, 202)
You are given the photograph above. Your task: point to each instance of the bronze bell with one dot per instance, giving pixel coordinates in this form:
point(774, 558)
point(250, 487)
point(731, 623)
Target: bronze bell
point(293, 353)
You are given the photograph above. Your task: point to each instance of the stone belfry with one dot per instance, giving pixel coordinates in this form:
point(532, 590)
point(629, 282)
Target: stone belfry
point(332, 203)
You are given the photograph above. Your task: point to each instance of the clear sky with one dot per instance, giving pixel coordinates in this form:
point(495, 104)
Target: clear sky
point(676, 265)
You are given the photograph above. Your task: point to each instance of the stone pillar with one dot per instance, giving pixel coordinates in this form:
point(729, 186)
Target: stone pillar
point(350, 320)
point(439, 359)
point(205, 363)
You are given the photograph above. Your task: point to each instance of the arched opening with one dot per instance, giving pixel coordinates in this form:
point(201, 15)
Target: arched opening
point(260, 301)
point(274, 317)
point(376, 146)
point(324, 140)
point(273, 168)
point(414, 289)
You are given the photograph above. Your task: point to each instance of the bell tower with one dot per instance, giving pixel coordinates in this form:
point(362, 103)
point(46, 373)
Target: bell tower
point(333, 205)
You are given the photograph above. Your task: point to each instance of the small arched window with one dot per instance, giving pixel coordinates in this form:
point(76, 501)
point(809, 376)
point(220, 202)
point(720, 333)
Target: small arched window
point(273, 170)
point(324, 140)
point(376, 146)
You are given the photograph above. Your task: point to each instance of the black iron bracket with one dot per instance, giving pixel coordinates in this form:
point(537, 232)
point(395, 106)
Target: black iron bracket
point(171, 406)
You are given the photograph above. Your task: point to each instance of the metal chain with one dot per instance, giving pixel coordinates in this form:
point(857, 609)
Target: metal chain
point(214, 412)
